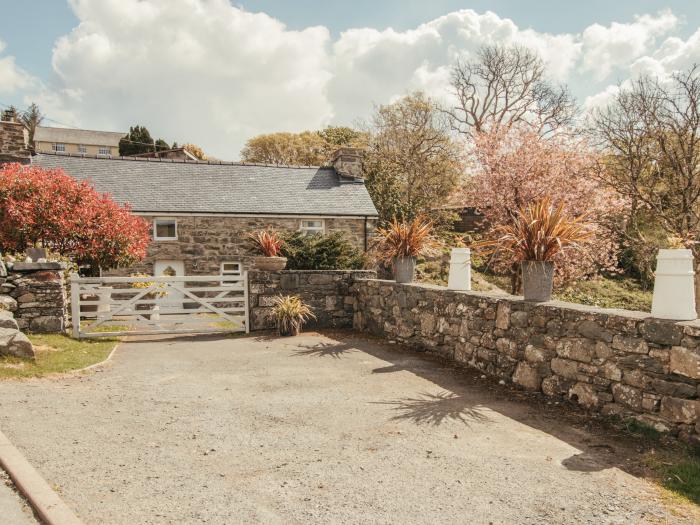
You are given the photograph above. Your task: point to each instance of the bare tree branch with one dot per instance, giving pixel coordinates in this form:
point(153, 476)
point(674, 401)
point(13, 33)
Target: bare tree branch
point(506, 86)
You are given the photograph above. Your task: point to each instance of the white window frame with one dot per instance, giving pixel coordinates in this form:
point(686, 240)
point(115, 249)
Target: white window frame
point(59, 147)
point(310, 230)
point(82, 148)
point(104, 150)
point(155, 228)
point(236, 273)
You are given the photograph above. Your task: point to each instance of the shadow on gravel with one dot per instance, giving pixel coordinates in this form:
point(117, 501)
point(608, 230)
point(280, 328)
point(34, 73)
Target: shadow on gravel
point(434, 409)
point(334, 350)
point(466, 397)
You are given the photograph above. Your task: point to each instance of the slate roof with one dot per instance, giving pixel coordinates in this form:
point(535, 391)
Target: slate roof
point(172, 186)
point(77, 136)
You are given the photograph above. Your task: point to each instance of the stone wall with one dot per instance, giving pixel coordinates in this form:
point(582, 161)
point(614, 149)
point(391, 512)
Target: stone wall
point(36, 294)
point(328, 292)
point(204, 242)
point(614, 362)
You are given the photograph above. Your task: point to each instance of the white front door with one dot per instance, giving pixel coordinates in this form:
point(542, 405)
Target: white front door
point(170, 269)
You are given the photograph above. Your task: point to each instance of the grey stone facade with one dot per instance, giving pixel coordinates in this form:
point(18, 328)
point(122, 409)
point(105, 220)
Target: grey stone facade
point(614, 362)
point(204, 242)
point(36, 294)
point(13, 142)
point(328, 292)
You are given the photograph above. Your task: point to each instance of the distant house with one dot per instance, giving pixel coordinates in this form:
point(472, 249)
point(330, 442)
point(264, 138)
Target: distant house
point(77, 141)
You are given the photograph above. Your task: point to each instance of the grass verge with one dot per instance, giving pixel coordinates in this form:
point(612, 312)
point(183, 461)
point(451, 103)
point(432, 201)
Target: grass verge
point(57, 353)
point(606, 292)
point(679, 474)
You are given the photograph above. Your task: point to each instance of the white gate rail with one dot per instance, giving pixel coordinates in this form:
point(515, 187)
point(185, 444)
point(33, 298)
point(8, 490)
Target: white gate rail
point(112, 306)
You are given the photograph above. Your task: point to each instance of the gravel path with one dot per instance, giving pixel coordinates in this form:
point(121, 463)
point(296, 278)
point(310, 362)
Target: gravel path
point(313, 429)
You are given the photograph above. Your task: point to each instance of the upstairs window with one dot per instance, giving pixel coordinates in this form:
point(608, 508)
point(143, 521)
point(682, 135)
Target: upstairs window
point(312, 227)
point(165, 229)
point(58, 147)
point(104, 150)
point(82, 148)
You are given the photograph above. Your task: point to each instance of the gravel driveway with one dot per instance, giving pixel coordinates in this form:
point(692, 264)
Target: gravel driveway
point(313, 429)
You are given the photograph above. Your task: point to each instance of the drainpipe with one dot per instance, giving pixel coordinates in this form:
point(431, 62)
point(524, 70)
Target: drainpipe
point(365, 233)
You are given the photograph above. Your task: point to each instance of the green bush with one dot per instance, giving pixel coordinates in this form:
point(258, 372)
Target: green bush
point(321, 252)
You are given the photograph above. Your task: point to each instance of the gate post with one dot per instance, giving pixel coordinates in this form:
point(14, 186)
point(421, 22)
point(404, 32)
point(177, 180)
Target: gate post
point(75, 305)
point(245, 301)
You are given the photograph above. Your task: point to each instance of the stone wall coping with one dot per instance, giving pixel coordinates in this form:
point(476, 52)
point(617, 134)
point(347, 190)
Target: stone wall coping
point(368, 272)
point(619, 312)
point(37, 266)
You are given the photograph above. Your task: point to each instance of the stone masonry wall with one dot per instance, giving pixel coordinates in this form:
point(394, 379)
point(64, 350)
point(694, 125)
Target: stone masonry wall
point(328, 292)
point(36, 294)
point(615, 362)
point(13, 142)
point(205, 242)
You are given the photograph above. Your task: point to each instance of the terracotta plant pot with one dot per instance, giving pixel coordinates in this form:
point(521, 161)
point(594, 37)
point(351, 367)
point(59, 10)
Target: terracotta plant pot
point(404, 269)
point(538, 278)
point(270, 264)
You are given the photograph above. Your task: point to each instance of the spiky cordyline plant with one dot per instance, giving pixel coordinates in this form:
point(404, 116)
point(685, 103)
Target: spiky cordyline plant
point(539, 232)
point(291, 313)
point(404, 239)
point(268, 242)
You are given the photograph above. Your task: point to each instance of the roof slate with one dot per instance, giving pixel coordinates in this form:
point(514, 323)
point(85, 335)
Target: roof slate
point(164, 186)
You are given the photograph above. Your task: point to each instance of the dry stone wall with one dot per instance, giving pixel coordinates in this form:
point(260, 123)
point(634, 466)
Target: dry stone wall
point(36, 294)
point(328, 292)
point(614, 362)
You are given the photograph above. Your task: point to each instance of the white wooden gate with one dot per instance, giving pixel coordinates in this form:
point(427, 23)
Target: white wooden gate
point(113, 306)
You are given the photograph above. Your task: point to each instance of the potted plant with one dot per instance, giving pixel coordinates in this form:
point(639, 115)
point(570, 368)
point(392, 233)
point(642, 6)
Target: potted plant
point(537, 234)
point(269, 243)
point(290, 314)
point(401, 243)
point(154, 295)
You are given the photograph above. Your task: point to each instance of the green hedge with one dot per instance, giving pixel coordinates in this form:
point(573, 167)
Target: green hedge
point(321, 252)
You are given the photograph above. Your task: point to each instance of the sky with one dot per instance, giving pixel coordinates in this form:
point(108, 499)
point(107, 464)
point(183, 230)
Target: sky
point(216, 72)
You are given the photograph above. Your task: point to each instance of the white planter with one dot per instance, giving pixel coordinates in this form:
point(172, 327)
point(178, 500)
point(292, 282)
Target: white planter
point(674, 286)
point(104, 294)
point(460, 269)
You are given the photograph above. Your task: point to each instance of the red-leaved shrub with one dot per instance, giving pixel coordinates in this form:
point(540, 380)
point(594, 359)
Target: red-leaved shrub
point(50, 208)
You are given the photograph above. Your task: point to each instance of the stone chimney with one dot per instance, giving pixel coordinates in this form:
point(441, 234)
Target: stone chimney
point(13, 142)
point(348, 162)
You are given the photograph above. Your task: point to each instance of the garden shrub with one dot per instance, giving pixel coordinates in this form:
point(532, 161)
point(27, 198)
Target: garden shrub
point(321, 252)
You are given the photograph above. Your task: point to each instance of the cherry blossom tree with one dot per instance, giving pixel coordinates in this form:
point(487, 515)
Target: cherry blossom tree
point(516, 166)
point(49, 208)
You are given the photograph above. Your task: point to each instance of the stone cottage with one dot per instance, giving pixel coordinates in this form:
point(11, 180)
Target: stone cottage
point(200, 212)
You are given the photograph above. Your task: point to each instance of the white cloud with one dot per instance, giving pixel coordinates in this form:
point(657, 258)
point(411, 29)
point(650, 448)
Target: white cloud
point(601, 99)
point(605, 48)
point(198, 71)
point(372, 66)
point(12, 77)
point(208, 72)
point(674, 54)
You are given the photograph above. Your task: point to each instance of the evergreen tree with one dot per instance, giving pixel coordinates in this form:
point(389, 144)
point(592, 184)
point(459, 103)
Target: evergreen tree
point(139, 140)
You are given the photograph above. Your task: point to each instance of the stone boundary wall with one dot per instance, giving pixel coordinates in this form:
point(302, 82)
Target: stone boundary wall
point(614, 362)
point(36, 294)
point(328, 292)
